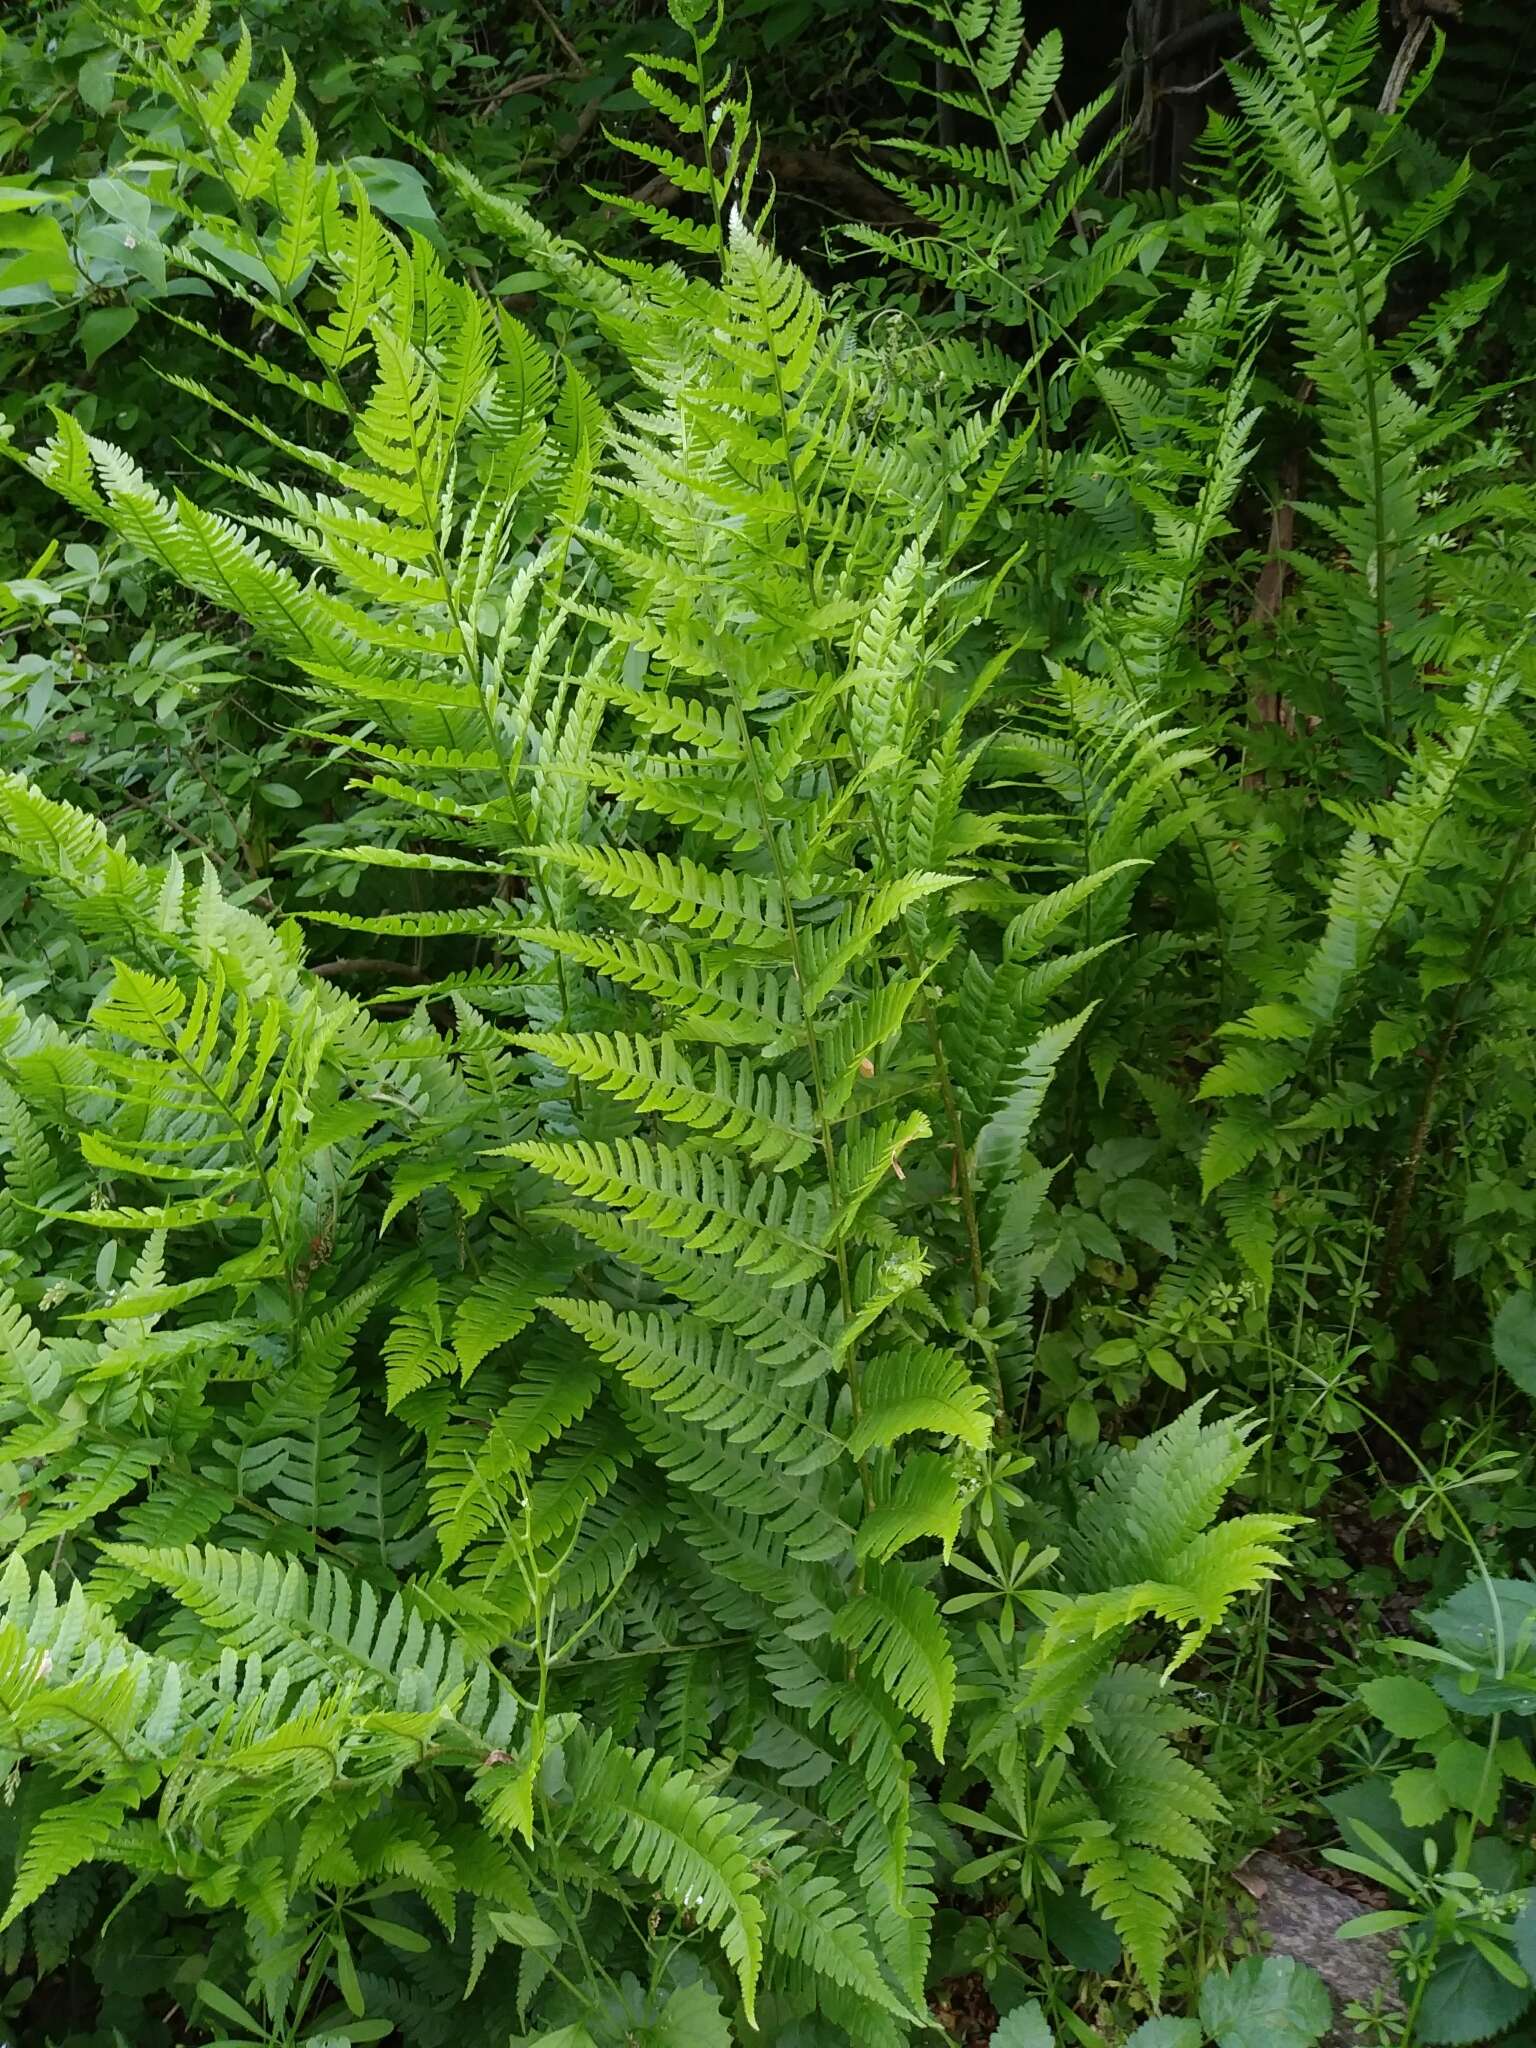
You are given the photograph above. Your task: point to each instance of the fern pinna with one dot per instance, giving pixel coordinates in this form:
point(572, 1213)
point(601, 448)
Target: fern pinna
point(510, 1495)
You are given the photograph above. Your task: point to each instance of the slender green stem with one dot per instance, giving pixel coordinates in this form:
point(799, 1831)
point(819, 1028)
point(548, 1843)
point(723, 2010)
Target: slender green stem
point(768, 825)
point(1348, 223)
point(1397, 1221)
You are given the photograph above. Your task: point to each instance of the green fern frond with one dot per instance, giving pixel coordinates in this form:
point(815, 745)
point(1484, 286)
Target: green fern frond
point(894, 1623)
point(702, 1375)
point(317, 1623)
point(812, 1921)
point(764, 1115)
point(699, 1201)
point(916, 1388)
point(725, 905)
point(73, 1832)
point(651, 1816)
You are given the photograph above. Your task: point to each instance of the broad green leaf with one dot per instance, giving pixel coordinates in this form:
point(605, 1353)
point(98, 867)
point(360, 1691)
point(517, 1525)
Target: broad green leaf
point(97, 80)
point(33, 251)
point(1405, 1706)
point(1470, 1777)
point(1142, 1208)
point(1514, 1340)
point(103, 328)
point(1025, 2027)
point(1420, 1797)
point(1489, 1631)
point(1269, 2002)
point(391, 1931)
point(1524, 1932)
point(1365, 1925)
point(1083, 1936)
point(398, 191)
point(1467, 2000)
point(691, 2018)
point(226, 2007)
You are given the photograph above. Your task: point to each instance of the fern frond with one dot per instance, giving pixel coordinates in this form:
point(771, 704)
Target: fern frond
point(894, 1623)
point(702, 1202)
point(764, 1115)
point(653, 1817)
point(917, 1388)
point(704, 1376)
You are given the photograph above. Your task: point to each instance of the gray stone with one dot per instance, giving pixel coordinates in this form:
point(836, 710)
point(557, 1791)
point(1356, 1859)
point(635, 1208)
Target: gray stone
point(1300, 1916)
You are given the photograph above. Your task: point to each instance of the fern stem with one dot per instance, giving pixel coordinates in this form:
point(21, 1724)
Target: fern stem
point(964, 1186)
point(1037, 349)
point(760, 797)
point(1348, 220)
point(564, 1663)
point(702, 102)
point(485, 697)
point(258, 1167)
point(1397, 1221)
point(813, 1057)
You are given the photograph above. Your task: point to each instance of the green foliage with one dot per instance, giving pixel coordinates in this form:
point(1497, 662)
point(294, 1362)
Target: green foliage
point(1272, 1999)
point(1433, 1824)
point(713, 1390)
point(1275, 1999)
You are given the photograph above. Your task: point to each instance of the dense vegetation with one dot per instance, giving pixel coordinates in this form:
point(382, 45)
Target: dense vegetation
point(767, 1066)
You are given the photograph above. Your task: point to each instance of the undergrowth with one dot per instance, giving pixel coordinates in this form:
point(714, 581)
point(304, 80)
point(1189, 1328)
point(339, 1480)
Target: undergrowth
point(676, 1374)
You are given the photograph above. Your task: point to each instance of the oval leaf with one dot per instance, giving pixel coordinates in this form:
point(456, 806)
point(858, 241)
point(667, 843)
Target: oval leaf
point(1514, 1340)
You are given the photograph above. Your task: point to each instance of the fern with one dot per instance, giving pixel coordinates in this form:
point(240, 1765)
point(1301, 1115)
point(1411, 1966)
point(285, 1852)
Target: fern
point(530, 1483)
point(1139, 1548)
point(694, 1846)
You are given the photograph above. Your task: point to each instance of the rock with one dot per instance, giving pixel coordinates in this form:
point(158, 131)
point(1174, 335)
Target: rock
point(1300, 1916)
